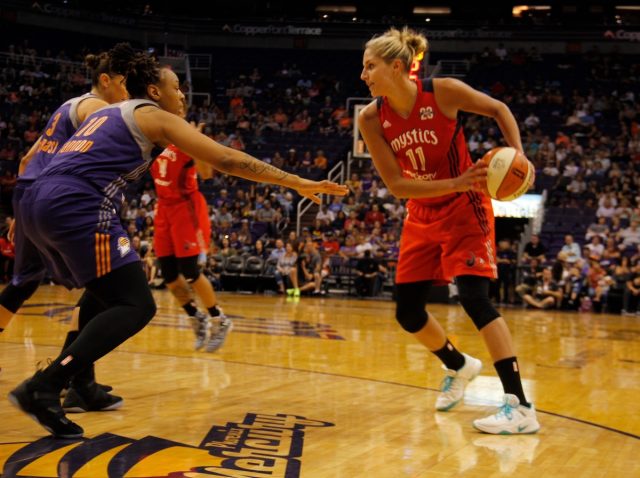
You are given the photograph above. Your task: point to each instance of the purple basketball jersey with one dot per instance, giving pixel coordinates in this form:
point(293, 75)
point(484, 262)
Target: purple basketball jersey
point(70, 212)
point(107, 151)
point(60, 127)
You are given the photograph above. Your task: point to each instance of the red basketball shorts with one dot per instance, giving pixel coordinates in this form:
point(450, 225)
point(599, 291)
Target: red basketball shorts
point(182, 229)
point(441, 242)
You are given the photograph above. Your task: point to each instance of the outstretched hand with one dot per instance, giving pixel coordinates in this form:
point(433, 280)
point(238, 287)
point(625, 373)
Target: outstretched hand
point(311, 189)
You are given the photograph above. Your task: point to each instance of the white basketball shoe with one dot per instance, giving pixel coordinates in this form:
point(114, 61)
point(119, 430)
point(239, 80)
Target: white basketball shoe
point(510, 419)
point(453, 385)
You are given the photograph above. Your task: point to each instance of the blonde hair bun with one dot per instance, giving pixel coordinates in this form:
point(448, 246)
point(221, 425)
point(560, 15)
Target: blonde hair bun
point(405, 45)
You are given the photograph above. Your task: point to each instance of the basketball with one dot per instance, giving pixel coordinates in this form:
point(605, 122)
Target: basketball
point(509, 175)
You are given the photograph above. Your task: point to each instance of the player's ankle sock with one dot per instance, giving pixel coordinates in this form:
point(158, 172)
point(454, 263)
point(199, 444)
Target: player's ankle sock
point(190, 308)
point(71, 336)
point(509, 373)
point(450, 356)
point(214, 311)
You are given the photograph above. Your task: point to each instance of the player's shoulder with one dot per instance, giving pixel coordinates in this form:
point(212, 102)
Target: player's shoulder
point(154, 121)
point(151, 114)
point(447, 83)
point(89, 105)
point(91, 101)
point(370, 111)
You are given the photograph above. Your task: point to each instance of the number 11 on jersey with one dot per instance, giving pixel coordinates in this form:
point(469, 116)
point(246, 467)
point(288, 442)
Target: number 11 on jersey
point(412, 153)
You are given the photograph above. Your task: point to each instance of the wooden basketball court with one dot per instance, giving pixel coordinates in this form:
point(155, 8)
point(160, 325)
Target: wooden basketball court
point(328, 387)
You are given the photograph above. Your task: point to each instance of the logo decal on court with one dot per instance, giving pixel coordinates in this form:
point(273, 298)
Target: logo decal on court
point(169, 318)
point(261, 445)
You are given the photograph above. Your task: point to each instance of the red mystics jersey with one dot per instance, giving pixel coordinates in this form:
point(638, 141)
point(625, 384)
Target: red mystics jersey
point(174, 174)
point(428, 145)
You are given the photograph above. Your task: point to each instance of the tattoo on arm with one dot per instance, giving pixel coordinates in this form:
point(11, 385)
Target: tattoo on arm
point(260, 168)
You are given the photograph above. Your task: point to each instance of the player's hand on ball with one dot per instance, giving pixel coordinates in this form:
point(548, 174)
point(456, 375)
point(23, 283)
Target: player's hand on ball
point(474, 178)
point(311, 189)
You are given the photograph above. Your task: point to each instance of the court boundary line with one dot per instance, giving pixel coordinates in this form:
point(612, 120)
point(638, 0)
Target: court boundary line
point(331, 374)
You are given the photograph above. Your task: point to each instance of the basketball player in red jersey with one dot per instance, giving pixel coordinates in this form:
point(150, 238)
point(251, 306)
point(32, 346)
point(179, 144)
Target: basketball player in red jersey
point(182, 234)
point(417, 146)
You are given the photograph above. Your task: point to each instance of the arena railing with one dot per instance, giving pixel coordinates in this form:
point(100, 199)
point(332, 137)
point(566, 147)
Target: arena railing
point(26, 60)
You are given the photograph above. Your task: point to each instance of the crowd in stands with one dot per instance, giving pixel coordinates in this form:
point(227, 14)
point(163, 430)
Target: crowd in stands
point(601, 275)
point(253, 223)
point(580, 122)
point(579, 118)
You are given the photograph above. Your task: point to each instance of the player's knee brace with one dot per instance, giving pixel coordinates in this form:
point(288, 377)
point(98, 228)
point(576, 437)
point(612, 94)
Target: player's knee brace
point(169, 268)
point(411, 300)
point(473, 292)
point(12, 297)
point(189, 268)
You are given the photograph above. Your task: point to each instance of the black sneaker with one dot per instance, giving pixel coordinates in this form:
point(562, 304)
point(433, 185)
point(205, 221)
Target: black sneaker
point(90, 398)
point(106, 388)
point(44, 407)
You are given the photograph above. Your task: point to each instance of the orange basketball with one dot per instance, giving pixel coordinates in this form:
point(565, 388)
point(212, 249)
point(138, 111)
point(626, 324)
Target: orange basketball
point(509, 174)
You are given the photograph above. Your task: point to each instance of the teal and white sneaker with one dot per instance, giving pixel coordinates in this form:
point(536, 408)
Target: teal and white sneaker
point(453, 385)
point(510, 419)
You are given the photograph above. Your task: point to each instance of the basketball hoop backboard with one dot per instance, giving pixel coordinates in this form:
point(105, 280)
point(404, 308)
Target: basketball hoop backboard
point(359, 149)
